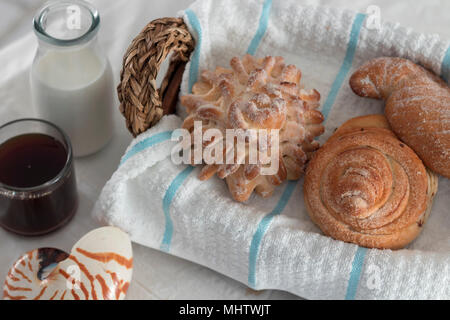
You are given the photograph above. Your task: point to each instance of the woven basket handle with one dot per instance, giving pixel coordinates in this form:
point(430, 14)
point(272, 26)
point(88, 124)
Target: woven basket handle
point(141, 102)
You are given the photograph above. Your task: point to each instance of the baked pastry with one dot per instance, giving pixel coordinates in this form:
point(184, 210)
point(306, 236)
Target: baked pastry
point(417, 106)
point(256, 94)
point(366, 187)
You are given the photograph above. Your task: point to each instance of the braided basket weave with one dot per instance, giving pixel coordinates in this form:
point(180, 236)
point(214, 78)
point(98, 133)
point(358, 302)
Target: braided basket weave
point(141, 102)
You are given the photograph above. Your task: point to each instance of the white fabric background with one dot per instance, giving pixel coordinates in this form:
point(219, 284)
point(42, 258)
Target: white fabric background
point(202, 224)
point(156, 274)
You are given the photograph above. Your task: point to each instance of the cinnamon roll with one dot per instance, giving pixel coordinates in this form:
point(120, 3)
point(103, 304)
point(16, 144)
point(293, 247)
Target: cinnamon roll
point(366, 187)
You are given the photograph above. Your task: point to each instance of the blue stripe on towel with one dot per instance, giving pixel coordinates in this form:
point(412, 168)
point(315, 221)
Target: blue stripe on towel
point(446, 66)
point(180, 178)
point(355, 274)
point(346, 65)
point(262, 228)
point(195, 61)
point(262, 27)
point(345, 68)
point(167, 200)
point(146, 143)
point(358, 260)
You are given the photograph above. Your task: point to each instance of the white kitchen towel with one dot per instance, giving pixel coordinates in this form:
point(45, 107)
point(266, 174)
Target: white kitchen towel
point(272, 243)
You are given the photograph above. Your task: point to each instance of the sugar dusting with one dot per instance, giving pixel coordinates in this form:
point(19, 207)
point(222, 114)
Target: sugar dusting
point(259, 94)
point(417, 106)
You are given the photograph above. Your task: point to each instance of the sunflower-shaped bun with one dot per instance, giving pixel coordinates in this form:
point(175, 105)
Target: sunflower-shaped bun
point(256, 94)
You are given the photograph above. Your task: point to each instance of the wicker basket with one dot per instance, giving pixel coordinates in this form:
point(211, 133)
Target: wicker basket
point(141, 102)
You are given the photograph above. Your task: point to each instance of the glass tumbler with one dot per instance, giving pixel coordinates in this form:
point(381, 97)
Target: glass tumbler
point(38, 192)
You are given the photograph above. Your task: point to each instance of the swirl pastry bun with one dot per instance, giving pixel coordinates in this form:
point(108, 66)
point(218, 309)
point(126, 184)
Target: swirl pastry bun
point(366, 187)
point(256, 94)
point(417, 106)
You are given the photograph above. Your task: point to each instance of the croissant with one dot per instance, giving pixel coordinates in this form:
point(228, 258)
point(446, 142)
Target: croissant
point(417, 106)
point(365, 186)
point(256, 94)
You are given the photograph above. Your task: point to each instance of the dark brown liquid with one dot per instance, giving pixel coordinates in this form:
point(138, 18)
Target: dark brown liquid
point(28, 161)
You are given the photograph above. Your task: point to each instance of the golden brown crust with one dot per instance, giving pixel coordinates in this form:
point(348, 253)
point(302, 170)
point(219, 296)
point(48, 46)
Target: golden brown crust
point(417, 106)
point(366, 187)
point(257, 94)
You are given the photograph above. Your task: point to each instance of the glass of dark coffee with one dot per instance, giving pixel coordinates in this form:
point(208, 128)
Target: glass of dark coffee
point(38, 192)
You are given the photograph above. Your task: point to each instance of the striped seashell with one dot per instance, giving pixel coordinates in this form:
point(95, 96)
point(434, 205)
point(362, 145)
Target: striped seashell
point(98, 268)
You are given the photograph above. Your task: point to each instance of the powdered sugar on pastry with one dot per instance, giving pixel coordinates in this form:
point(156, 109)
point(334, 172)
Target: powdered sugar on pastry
point(257, 94)
point(366, 187)
point(417, 106)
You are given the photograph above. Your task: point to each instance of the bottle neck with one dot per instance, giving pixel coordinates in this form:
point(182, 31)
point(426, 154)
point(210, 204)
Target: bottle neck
point(66, 24)
point(45, 46)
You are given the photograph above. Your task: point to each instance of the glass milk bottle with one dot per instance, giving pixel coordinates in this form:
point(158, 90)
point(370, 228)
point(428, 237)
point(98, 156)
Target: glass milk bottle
point(71, 78)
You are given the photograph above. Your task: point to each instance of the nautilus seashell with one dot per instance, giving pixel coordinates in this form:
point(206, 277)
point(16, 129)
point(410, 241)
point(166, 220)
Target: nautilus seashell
point(98, 268)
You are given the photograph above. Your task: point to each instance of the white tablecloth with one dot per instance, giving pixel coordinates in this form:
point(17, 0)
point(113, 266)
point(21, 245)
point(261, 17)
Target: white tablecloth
point(156, 274)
